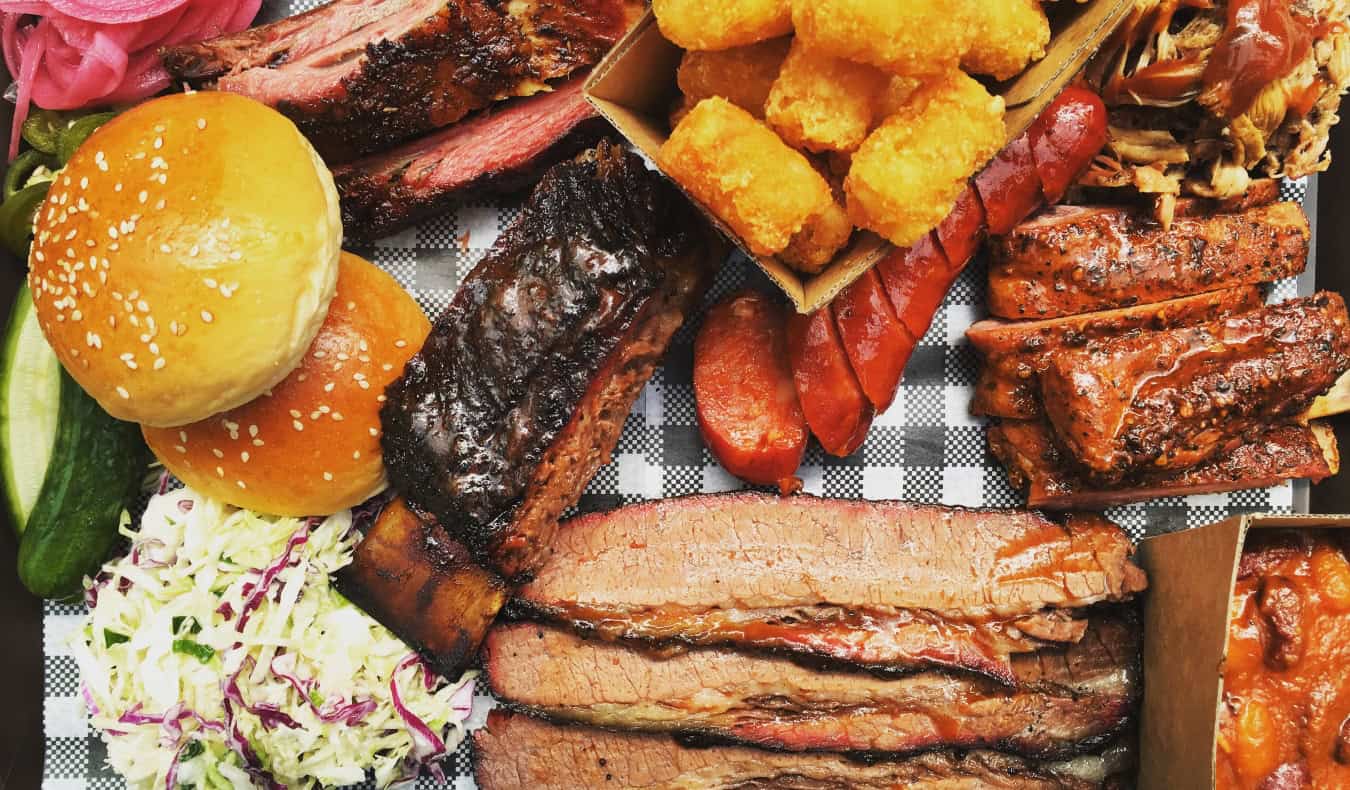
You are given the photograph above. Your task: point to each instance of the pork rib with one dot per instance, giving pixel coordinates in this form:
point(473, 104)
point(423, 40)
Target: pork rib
point(358, 79)
point(517, 752)
point(1017, 352)
point(1035, 464)
point(1160, 401)
point(1078, 259)
point(495, 152)
point(1066, 700)
point(884, 584)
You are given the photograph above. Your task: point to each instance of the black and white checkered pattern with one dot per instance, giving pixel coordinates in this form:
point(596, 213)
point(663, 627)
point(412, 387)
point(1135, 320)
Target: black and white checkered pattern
point(927, 447)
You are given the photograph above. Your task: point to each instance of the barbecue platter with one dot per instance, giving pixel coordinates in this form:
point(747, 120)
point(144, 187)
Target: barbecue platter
point(317, 530)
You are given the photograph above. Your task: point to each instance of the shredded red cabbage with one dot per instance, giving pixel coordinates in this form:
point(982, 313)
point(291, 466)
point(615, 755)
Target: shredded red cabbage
point(256, 595)
point(427, 745)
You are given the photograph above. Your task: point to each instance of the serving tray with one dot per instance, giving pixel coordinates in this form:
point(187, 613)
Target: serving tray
point(926, 447)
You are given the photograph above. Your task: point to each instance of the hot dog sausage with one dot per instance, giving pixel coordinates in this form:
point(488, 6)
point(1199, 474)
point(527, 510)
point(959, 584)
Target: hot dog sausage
point(832, 400)
point(1065, 137)
point(744, 391)
point(877, 344)
point(1009, 186)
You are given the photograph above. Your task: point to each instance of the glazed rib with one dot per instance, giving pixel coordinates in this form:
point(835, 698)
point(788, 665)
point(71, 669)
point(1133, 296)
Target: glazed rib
point(1066, 700)
point(356, 88)
point(1168, 400)
point(1078, 259)
point(1036, 465)
point(1017, 352)
point(517, 752)
point(496, 152)
point(520, 392)
point(884, 584)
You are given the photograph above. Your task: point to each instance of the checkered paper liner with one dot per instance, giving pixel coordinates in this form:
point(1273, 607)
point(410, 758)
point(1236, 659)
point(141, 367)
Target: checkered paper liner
point(927, 447)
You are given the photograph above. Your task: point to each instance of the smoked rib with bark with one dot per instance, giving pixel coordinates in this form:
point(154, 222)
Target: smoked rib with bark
point(1160, 401)
point(494, 153)
point(1017, 352)
point(1065, 701)
point(885, 584)
point(1039, 467)
point(521, 390)
point(1078, 259)
point(517, 752)
point(358, 78)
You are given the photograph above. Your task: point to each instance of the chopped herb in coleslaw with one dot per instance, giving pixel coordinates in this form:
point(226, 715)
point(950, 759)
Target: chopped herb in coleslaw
point(217, 654)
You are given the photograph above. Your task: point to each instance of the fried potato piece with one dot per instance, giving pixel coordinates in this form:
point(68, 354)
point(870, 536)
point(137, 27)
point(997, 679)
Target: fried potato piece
point(819, 240)
point(741, 75)
point(896, 95)
point(721, 24)
point(907, 174)
point(909, 38)
point(1009, 35)
point(745, 174)
point(823, 103)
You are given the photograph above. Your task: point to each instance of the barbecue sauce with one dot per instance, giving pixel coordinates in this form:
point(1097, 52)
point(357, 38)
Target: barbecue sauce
point(1263, 41)
point(1286, 705)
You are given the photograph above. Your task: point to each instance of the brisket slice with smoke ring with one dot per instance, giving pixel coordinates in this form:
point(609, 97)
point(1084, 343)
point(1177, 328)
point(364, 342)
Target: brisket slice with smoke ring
point(358, 79)
point(517, 752)
point(1065, 701)
point(890, 585)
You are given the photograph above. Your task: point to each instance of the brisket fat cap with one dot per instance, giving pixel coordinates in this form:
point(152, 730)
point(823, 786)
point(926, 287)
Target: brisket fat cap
point(601, 243)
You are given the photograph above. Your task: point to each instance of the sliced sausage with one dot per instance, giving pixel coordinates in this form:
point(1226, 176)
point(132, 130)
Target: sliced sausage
point(916, 281)
point(877, 344)
point(1010, 187)
point(961, 232)
point(831, 397)
point(1065, 137)
point(744, 392)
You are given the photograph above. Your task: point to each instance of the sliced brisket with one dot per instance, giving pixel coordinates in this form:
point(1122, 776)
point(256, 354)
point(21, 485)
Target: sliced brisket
point(1283, 452)
point(1017, 352)
point(517, 752)
point(886, 584)
point(360, 79)
point(1079, 259)
point(1159, 401)
point(1066, 700)
point(495, 152)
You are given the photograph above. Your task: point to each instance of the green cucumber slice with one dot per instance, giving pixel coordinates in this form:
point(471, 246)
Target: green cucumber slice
point(30, 401)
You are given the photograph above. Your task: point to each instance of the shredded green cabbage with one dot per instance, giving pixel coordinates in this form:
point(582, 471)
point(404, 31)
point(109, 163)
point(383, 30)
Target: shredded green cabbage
point(161, 643)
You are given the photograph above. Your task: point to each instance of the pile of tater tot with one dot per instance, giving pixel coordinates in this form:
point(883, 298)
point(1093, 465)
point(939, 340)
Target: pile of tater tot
point(803, 119)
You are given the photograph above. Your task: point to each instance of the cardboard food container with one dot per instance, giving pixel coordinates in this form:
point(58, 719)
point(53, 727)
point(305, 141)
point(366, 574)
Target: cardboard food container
point(1186, 610)
point(634, 88)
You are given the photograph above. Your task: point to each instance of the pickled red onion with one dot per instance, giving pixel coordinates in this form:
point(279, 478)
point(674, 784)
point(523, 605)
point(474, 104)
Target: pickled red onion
point(71, 54)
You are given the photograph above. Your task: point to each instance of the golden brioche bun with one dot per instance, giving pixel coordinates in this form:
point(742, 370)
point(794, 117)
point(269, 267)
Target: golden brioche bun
point(185, 257)
point(310, 446)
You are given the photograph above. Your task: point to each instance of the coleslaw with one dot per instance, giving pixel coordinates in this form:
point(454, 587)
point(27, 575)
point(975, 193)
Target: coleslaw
point(216, 653)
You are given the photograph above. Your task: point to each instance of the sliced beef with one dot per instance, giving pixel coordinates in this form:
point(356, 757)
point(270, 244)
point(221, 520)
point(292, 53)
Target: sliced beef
point(886, 584)
point(1164, 401)
point(1065, 700)
point(1038, 466)
point(421, 66)
point(425, 586)
point(520, 391)
point(1079, 259)
point(496, 152)
point(517, 752)
point(1017, 352)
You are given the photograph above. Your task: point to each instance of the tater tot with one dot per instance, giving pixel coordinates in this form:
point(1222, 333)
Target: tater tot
point(741, 75)
point(913, 38)
point(823, 103)
point(1009, 35)
point(721, 24)
point(819, 240)
point(747, 176)
point(896, 95)
point(907, 174)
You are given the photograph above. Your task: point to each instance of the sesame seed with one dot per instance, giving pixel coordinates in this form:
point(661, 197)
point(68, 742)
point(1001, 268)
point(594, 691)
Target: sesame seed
point(386, 366)
point(220, 471)
point(123, 392)
point(302, 377)
point(104, 167)
point(173, 327)
point(234, 256)
point(374, 432)
point(159, 363)
point(182, 437)
point(320, 354)
point(244, 456)
point(210, 283)
point(329, 387)
point(381, 399)
point(112, 232)
point(180, 448)
point(296, 424)
point(337, 416)
point(153, 347)
point(158, 163)
point(400, 343)
point(207, 317)
point(314, 415)
point(192, 253)
point(356, 454)
point(295, 413)
point(159, 204)
point(327, 475)
point(253, 430)
point(76, 315)
point(143, 196)
point(257, 442)
point(217, 453)
point(142, 305)
point(342, 356)
point(159, 143)
point(240, 483)
point(365, 385)
point(201, 123)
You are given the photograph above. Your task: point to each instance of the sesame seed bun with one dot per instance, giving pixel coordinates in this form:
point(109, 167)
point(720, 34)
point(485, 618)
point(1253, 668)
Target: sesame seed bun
point(311, 446)
point(185, 257)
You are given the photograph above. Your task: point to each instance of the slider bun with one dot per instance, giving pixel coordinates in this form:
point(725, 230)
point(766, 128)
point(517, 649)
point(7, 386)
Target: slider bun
point(311, 446)
point(185, 257)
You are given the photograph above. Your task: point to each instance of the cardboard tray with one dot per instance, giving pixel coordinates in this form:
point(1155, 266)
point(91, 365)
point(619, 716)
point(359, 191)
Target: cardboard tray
point(634, 88)
point(1191, 577)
